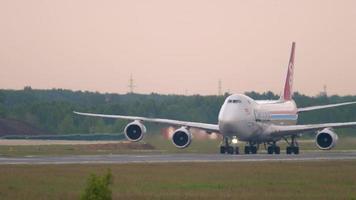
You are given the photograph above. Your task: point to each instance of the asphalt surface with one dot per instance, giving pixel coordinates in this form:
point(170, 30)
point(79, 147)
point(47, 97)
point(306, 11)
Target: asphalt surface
point(172, 158)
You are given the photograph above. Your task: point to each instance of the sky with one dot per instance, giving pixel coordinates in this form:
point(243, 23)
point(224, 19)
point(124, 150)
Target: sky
point(178, 47)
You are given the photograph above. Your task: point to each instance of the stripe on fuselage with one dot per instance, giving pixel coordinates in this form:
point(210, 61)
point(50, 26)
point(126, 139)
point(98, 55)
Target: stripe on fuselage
point(284, 116)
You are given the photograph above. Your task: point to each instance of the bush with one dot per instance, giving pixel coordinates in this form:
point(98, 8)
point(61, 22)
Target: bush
point(98, 187)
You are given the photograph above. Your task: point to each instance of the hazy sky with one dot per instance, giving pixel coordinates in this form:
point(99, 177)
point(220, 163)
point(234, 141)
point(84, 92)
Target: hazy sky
point(175, 46)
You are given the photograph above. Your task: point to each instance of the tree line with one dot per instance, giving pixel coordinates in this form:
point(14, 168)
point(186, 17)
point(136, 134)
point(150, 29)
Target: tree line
point(52, 110)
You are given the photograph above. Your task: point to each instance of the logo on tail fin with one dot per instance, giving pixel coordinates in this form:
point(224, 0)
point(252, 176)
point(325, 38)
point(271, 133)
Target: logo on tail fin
point(288, 87)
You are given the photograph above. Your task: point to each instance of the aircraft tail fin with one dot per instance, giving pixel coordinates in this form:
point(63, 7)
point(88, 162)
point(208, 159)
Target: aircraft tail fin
point(288, 86)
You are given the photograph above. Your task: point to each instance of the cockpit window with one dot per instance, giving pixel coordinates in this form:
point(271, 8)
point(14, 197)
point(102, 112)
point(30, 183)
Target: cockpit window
point(234, 101)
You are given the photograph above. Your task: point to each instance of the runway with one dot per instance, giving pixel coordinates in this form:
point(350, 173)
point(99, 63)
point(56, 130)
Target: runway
point(177, 158)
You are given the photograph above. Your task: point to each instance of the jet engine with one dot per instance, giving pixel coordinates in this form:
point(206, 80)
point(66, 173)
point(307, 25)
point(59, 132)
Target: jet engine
point(134, 131)
point(182, 138)
point(326, 139)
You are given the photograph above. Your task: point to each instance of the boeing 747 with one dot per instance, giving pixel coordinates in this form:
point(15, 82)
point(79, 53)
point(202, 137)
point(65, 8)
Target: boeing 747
point(251, 121)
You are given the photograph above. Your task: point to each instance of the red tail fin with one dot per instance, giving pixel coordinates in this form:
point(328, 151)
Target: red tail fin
point(288, 86)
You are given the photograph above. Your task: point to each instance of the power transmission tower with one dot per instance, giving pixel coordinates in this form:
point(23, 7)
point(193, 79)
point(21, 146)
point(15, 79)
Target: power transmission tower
point(219, 88)
point(131, 85)
point(325, 90)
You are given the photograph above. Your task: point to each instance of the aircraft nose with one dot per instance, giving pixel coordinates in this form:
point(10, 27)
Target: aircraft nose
point(227, 125)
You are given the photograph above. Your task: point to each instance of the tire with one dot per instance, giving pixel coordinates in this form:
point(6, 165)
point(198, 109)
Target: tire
point(296, 150)
point(270, 150)
point(253, 150)
point(230, 150)
point(222, 150)
point(237, 151)
point(277, 150)
point(247, 150)
point(289, 150)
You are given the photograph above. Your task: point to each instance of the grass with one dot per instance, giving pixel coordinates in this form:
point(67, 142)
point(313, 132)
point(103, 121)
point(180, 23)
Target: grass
point(271, 180)
point(78, 149)
point(153, 144)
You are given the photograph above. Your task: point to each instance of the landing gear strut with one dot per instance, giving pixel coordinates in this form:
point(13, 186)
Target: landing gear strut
point(273, 148)
point(227, 148)
point(293, 146)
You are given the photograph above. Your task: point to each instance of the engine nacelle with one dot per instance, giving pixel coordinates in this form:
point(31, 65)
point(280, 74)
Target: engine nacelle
point(134, 131)
point(182, 138)
point(326, 139)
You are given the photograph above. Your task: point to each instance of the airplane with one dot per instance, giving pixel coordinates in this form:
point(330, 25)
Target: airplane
point(243, 119)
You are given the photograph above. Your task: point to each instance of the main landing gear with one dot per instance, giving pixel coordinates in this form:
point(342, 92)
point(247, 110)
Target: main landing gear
point(227, 148)
point(293, 147)
point(273, 149)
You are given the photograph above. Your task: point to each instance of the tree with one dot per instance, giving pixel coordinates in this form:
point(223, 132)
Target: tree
point(101, 127)
point(119, 126)
point(2, 111)
point(67, 125)
point(52, 110)
point(98, 187)
point(2, 97)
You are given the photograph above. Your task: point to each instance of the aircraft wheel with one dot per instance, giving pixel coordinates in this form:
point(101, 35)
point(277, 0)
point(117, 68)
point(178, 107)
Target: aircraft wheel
point(277, 150)
point(222, 149)
point(230, 150)
point(270, 150)
point(296, 150)
point(237, 151)
point(253, 149)
point(289, 150)
point(247, 150)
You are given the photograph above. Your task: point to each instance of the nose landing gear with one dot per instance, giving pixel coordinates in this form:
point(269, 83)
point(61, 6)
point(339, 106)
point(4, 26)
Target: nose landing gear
point(227, 148)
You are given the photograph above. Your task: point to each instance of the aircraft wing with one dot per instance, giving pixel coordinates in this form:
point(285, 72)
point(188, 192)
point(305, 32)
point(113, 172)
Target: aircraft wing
point(296, 129)
point(203, 126)
point(324, 106)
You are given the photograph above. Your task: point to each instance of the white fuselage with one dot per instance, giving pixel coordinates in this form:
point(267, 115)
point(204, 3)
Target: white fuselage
point(248, 119)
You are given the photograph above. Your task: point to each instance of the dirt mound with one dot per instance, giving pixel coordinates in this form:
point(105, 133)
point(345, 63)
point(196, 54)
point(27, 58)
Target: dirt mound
point(16, 127)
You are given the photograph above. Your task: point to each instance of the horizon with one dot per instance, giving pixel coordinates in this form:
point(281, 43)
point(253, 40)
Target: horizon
point(155, 93)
